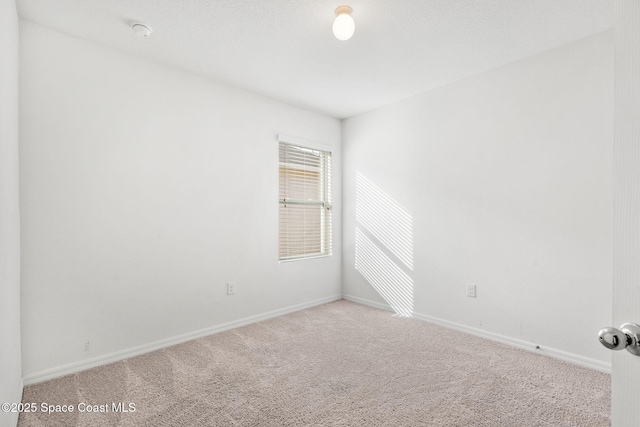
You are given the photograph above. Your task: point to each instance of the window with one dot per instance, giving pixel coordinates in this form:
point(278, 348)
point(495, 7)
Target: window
point(305, 202)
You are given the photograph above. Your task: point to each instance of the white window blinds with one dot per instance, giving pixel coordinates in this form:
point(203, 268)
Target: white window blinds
point(305, 202)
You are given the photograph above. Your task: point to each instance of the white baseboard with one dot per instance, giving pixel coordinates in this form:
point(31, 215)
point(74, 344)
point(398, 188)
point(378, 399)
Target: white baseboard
point(362, 301)
point(586, 362)
point(71, 368)
point(157, 345)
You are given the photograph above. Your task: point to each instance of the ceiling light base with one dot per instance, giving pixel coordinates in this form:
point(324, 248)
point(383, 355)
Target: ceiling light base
point(344, 9)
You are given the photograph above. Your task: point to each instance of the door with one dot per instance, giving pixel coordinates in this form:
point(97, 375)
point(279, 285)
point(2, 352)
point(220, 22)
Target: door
point(625, 378)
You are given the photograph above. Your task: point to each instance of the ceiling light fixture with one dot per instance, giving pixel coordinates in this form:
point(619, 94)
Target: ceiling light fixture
point(141, 29)
point(344, 26)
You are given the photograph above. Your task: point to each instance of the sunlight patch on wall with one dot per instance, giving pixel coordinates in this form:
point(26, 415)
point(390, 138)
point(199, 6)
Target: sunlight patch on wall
point(384, 245)
point(393, 284)
point(384, 219)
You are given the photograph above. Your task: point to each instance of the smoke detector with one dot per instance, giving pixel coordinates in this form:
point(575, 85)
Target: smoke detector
point(143, 30)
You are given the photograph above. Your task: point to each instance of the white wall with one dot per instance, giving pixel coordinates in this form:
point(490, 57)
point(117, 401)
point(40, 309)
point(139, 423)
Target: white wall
point(144, 189)
point(10, 368)
point(502, 180)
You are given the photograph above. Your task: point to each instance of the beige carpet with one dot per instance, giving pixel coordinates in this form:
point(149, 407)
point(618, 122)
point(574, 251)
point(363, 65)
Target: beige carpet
point(340, 364)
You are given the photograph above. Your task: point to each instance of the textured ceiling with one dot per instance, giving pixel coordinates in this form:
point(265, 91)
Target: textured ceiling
point(284, 49)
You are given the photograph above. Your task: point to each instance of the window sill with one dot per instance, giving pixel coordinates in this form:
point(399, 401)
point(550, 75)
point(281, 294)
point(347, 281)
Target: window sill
point(283, 261)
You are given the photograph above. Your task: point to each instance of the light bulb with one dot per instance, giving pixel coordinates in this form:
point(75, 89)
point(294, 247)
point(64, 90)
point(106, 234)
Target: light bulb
point(344, 26)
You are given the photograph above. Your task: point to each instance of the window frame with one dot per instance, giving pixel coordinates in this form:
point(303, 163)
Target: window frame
point(324, 181)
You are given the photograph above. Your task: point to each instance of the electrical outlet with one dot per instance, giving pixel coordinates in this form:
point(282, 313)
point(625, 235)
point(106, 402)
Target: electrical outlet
point(231, 288)
point(471, 290)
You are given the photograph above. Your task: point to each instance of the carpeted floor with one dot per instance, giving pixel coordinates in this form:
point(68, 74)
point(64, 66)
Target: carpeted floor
point(339, 364)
